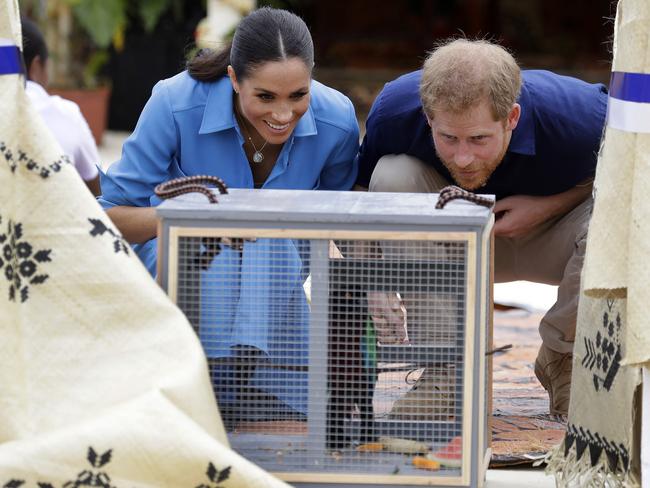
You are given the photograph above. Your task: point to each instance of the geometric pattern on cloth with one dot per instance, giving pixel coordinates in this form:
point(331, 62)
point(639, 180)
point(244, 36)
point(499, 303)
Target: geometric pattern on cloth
point(18, 156)
point(601, 412)
point(20, 261)
point(98, 475)
point(603, 353)
point(596, 443)
point(215, 476)
point(99, 229)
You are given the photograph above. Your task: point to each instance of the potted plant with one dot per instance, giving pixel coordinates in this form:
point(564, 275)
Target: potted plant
point(80, 34)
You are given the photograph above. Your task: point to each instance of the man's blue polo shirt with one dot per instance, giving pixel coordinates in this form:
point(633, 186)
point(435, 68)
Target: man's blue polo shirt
point(553, 148)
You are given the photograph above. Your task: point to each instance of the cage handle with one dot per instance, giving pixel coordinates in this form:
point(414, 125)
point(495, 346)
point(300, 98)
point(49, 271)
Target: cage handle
point(452, 192)
point(191, 184)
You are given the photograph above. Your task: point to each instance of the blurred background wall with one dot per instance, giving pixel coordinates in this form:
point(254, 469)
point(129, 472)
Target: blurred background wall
point(360, 44)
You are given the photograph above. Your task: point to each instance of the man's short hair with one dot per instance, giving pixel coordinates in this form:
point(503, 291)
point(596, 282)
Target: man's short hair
point(33, 42)
point(460, 73)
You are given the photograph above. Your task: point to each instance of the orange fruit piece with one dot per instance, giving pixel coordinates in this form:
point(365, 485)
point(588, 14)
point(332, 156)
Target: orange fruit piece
point(424, 463)
point(371, 447)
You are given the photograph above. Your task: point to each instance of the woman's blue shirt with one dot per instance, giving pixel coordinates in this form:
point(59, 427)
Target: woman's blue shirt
point(255, 298)
point(188, 128)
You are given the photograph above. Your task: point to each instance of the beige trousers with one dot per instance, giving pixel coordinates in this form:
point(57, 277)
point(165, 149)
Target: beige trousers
point(552, 254)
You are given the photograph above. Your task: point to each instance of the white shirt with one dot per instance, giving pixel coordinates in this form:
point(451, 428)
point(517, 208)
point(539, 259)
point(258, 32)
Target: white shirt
point(65, 121)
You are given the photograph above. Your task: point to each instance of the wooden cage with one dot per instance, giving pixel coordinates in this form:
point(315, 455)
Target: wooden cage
point(346, 332)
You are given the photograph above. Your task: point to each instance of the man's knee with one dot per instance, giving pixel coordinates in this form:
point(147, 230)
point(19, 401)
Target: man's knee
point(403, 173)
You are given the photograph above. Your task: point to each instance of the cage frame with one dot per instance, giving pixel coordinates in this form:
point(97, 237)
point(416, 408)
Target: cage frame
point(172, 227)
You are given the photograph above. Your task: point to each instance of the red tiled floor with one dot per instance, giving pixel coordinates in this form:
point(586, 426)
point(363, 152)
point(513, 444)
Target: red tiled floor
point(522, 430)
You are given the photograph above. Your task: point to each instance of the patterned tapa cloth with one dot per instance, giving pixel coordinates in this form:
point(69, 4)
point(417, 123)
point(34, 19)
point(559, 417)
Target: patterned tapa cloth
point(597, 450)
point(618, 244)
point(612, 334)
point(102, 380)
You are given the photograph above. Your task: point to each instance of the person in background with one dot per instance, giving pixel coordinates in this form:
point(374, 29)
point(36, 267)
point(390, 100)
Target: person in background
point(471, 117)
point(252, 115)
point(62, 117)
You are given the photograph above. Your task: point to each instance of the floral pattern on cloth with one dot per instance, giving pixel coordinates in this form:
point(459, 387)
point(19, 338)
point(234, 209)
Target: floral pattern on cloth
point(98, 475)
point(19, 261)
point(18, 156)
point(99, 229)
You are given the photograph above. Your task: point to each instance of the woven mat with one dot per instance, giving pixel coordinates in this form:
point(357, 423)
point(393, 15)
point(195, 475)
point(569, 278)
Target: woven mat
point(522, 429)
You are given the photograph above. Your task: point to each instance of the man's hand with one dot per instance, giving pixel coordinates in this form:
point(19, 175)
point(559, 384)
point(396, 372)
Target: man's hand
point(389, 317)
point(519, 214)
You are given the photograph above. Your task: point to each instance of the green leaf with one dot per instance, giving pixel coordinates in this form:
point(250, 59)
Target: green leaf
point(150, 12)
point(95, 63)
point(100, 18)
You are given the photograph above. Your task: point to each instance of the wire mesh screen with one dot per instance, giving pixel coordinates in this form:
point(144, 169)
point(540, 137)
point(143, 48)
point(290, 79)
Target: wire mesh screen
point(336, 356)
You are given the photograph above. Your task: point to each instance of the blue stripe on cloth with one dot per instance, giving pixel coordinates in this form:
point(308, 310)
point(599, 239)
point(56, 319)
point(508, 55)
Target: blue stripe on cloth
point(631, 87)
point(11, 62)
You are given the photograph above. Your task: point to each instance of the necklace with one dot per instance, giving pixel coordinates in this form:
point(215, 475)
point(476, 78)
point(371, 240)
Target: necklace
point(258, 157)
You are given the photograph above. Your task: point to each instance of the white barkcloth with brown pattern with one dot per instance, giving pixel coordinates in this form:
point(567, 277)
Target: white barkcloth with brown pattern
point(618, 244)
point(102, 380)
point(612, 336)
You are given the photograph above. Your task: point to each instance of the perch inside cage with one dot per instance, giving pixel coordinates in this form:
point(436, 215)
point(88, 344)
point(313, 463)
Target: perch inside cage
point(345, 332)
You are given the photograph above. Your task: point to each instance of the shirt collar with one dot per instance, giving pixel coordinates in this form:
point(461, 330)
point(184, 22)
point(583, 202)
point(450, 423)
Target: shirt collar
point(219, 115)
point(35, 90)
point(523, 136)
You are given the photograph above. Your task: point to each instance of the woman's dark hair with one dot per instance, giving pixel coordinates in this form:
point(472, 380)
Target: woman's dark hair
point(266, 34)
point(33, 42)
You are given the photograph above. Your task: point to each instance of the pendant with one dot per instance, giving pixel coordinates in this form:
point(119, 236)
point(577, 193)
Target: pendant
point(258, 157)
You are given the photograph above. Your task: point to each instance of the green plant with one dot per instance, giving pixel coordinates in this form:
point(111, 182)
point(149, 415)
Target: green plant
point(90, 72)
point(105, 21)
point(81, 32)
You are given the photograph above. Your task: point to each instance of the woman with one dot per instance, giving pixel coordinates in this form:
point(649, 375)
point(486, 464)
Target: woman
point(252, 115)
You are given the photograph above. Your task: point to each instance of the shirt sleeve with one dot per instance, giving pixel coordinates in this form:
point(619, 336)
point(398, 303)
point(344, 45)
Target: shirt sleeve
point(146, 155)
point(373, 145)
point(340, 171)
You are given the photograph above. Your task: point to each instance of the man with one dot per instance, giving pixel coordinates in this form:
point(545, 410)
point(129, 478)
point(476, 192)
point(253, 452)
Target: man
point(62, 117)
point(472, 118)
